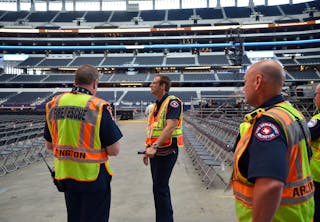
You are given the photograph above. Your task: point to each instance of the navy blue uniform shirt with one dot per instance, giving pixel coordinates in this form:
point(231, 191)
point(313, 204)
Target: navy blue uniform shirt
point(109, 134)
point(266, 155)
point(174, 111)
point(314, 127)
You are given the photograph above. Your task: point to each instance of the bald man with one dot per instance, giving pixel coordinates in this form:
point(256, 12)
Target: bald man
point(314, 127)
point(271, 179)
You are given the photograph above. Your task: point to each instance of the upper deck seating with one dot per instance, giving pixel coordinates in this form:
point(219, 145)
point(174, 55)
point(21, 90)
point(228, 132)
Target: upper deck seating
point(105, 78)
point(216, 93)
point(287, 61)
point(153, 15)
point(309, 61)
point(180, 61)
point(267, 10)
point(14, 16)
point(69, 16)
point(316, 53)
point(172, 76)
point(119, 16)
point(179, 14)
point(5, 95)
point(109, 96)
point(314, 4)
point(137, 97)
point(6, 77)
point(116, 61)
point(237, 12)
point(26, 98)
point(293, 9)
point(97, 16)
point(28, 78)
point(305, 75)
point(30, 62)
point(48, 62)
point(121, 77)
point(61, 78)
point(42, 16)
point(288, 77)
point(149, 60)
point(202, 77)
point(208, 60)
point(229, 76)
point(209, 13)
point(246, 60)
point(95, 61)
point(184, 96)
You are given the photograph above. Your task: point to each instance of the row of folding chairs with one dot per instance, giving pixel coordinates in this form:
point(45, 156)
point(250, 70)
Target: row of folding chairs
point(210, 151)
point(20, 150)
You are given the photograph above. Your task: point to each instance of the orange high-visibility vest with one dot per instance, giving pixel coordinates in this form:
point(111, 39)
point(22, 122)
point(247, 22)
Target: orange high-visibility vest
point(157, 123)
point(297, 202)
point(74, 124)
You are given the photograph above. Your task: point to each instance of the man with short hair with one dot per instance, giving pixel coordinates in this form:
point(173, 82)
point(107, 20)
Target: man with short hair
point(314, 127)
point(81, 131)
point(271, 175)
point(164, 137)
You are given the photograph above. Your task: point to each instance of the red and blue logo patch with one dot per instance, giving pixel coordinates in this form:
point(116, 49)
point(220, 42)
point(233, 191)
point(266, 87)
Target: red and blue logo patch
point(266, 131)
point(174, 104)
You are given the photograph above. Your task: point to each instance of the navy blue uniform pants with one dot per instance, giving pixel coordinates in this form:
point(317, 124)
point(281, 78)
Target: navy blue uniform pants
point(89, 202)
point(317, 202)
point(161, 168)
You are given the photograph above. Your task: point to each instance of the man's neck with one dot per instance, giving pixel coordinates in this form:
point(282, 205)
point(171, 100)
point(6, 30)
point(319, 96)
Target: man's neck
point(160, 96)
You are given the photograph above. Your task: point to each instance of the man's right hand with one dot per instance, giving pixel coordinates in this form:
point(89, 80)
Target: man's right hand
point(146, 160)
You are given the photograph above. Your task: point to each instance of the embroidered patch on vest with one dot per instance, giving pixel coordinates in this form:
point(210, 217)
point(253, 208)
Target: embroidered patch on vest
point(174, 104)
point(266, 131)
point(312, 123)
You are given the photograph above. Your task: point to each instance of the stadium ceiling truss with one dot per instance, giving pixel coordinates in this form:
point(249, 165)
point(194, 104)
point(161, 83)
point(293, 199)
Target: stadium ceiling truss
point(131, 5)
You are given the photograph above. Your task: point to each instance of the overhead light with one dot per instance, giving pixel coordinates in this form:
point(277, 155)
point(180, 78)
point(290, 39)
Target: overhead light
point(198, 67)
point(130, 84)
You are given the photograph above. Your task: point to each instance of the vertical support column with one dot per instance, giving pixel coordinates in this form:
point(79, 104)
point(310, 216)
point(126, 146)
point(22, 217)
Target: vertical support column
point(63, 5)
point(32, 7)
point(18, 5)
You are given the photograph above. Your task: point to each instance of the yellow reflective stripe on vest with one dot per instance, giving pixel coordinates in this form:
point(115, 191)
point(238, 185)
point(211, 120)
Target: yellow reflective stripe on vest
point(157, 131)
point(315, 160)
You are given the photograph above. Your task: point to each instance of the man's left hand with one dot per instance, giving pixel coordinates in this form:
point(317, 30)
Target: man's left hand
point(151, 151)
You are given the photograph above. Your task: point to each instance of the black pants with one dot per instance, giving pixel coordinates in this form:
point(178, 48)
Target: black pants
point(161, 168)
point(89, 202)
point(317, 202)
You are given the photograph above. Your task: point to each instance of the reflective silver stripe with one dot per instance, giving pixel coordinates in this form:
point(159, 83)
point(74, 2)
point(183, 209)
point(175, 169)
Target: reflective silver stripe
point(298, 183)
point(81, 160)
point(58, 98)
point(93, 129)
point(249, 201)
point(81, 139)
point(102, 150)
point(296, 200)
point(294, 135)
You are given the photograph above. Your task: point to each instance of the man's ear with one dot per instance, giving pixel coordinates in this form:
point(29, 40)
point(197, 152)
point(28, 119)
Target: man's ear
point(258, 81)
point(95, 84)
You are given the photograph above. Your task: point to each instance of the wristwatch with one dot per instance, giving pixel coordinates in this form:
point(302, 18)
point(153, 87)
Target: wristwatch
point(155, 145)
